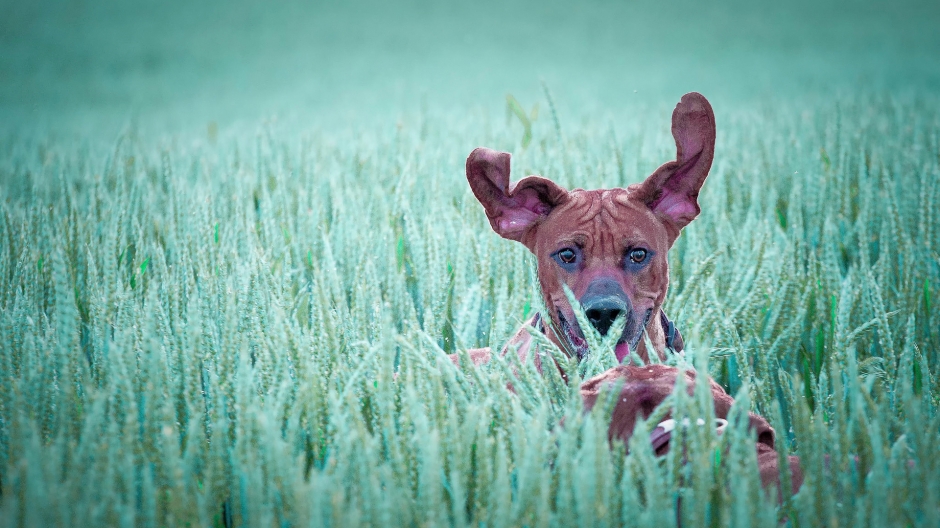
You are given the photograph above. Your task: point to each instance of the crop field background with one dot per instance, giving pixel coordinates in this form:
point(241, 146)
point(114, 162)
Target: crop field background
point(236, 243)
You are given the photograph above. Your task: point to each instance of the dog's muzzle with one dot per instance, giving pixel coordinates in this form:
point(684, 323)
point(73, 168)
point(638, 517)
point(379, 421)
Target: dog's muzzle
point(604, 302)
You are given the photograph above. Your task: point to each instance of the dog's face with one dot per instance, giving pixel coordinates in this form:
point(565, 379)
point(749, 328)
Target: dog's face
point(607, 246)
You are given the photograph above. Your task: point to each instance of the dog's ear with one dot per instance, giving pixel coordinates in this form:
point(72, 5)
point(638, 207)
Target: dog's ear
point(514, 210)
point(672, 191)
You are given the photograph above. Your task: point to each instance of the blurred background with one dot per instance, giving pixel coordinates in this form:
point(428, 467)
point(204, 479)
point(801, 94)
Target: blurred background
point(79, 67)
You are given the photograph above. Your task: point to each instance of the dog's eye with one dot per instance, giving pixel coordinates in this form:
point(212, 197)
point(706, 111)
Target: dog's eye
point(567, 255)
point(638, 255)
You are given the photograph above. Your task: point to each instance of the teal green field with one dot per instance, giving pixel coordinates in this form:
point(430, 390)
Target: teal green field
point(237, 243)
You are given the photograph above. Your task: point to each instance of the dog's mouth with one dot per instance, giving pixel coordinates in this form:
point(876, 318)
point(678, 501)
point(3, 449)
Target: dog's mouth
point(574, 336)
point(628, 341)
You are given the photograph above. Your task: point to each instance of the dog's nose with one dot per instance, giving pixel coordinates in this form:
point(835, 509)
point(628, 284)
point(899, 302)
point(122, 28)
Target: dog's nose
point(603, 302)
point(603, 314)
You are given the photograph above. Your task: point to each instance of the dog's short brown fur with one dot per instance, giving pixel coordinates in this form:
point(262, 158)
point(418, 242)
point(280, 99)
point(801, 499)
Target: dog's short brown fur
point(609, 247)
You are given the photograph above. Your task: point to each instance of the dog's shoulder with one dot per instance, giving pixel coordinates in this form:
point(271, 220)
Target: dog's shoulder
point(520, 342)
point(478, 356)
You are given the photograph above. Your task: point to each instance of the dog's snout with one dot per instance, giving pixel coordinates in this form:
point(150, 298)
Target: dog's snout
point(603, 314)
point(603, 302)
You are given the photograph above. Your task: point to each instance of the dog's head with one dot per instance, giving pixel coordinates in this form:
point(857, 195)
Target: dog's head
point(609, 245)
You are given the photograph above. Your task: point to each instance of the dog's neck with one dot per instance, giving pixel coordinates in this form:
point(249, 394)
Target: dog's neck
point(657, 337)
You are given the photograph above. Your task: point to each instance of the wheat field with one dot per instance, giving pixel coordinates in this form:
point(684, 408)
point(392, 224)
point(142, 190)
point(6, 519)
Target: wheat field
point(211, 318)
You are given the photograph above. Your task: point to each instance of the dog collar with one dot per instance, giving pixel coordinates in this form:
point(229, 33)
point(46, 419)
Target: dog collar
point(662, 433)
point(673, 337)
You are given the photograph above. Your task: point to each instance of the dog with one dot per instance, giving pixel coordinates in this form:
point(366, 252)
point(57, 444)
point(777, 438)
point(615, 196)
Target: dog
point(608, 247)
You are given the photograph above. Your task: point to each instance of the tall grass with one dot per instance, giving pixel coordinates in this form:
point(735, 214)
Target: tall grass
point(209, 333)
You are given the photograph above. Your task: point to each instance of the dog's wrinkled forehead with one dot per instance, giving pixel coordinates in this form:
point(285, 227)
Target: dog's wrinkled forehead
point(601, 221)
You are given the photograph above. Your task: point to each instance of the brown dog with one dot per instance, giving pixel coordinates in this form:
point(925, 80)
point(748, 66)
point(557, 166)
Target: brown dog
point(608, 246)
